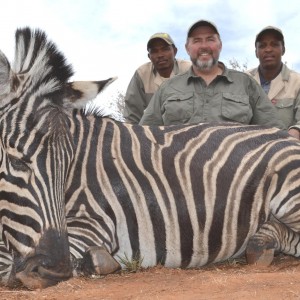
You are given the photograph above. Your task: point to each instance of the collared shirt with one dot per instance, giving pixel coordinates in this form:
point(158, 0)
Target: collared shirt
point(231, 97)
point(144, 83)
point(284, 93)
point(265, 84)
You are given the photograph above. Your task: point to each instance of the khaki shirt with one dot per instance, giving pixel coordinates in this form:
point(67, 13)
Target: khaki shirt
point(284, 93)
point(144, 83)
point(231, 97)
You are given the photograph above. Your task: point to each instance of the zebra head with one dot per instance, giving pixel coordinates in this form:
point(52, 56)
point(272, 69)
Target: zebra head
point(36, 150)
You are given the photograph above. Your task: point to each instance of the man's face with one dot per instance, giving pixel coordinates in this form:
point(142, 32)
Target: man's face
point(269, 50)
point(162, 55)
point(204, 47)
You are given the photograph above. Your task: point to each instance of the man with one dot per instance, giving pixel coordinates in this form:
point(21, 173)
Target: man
point(148, 77)
point(209, 91)
point(281, 84)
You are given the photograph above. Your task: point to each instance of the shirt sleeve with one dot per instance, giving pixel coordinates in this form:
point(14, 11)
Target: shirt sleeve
point(135, 100)
point(297, 113)
point(153, 113)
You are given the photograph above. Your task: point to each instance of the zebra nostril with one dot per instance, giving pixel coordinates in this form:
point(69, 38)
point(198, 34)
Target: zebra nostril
point(35, 269)
point(41, 272)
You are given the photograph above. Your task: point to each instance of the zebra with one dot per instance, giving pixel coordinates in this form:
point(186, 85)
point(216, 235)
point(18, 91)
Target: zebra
point(79, 191)
point(35, 154)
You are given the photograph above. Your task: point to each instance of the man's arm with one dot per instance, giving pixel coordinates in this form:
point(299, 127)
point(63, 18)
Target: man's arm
point(295, 129)
point(135, 100)
point(153, 114)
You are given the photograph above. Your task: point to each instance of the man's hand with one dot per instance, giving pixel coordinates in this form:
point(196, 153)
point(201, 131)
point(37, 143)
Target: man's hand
point(295, 133)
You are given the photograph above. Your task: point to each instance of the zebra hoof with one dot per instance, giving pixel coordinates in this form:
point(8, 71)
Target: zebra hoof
point(98, 261)
point(264, 259)
point(259, 254)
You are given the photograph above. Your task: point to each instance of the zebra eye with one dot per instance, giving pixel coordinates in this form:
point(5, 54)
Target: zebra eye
point(18, 164)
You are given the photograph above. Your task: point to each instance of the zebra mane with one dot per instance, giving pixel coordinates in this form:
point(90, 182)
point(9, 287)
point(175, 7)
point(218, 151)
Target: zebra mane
point(40, 58)
point(95, 110)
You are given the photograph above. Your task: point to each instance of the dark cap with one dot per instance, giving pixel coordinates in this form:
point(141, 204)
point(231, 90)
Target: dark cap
point(161, 35)
point(202, 23)
point(272, 29)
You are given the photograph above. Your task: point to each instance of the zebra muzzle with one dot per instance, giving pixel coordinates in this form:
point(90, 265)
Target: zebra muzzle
point(35, 276)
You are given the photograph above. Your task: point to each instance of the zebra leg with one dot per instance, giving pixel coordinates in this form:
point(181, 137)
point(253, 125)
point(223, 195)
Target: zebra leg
point(97, 260)
point(5, 264)
point(271, 237)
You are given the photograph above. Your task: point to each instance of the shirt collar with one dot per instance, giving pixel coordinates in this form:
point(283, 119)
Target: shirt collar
point(225, 73)
point(263, 80)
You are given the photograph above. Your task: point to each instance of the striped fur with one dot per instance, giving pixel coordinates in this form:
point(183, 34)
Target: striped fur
point(182, 196)
point(36, 151)
point(34, 134)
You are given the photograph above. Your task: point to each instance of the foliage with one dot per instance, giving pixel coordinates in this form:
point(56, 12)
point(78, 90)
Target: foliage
point(131, 265)
point(113, 108)
point(117, 106)
point(236, 65)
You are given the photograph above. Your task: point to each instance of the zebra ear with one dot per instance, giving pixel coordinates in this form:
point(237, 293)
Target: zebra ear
point(79, 93)
point(5, 74)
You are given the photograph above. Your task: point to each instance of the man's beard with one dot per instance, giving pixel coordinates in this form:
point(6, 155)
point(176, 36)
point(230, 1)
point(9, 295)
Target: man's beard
point(204, 65)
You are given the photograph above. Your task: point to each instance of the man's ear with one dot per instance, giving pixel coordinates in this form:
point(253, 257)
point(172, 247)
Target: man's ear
point(256, 45)
point(175, 50)
point(283, 50)
point(187, 49)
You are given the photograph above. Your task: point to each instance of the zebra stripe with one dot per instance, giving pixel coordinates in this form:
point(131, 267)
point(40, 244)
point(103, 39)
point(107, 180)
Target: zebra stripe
point(34, 136)
point(92, 187)
point(177, 200)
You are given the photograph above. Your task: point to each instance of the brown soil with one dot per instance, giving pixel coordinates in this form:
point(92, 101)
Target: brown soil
point(234, 280)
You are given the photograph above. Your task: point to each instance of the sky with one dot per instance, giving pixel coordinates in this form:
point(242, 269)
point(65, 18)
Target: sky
point(107, 38)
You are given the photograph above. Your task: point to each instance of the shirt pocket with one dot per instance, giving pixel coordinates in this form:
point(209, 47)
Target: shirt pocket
point(236, 108)
point(178, 109)
point(286, 103)
point(285, 110)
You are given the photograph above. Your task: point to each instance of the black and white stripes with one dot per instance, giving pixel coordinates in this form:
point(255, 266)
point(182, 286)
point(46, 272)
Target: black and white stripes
point(182, 196)
point(80, 185)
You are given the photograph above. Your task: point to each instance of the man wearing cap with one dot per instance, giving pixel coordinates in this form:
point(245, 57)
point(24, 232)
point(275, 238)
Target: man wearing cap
point(208, 91)
point(148, 77)
point(281, 84)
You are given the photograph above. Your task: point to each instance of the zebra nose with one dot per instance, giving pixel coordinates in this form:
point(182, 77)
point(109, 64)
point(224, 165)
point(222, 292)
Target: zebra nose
point(49, 263)
point(38, 274)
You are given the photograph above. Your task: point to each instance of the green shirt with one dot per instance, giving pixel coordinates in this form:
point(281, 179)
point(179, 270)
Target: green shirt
point(231, 97)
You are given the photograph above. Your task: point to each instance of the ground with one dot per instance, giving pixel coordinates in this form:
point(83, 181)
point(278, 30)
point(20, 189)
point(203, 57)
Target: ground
point(230, 280)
